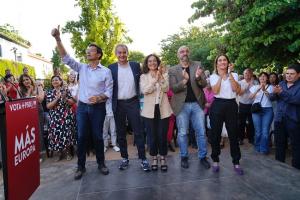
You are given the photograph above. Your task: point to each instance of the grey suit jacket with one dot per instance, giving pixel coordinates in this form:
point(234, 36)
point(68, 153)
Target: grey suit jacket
point(180, 89)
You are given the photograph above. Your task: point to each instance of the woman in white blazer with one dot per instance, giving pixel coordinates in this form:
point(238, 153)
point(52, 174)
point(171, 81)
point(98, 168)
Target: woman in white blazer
point(154, 85)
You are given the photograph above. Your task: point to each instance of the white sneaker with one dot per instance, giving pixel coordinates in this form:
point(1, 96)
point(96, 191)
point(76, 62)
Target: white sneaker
point(116, 148)
point(105, 149)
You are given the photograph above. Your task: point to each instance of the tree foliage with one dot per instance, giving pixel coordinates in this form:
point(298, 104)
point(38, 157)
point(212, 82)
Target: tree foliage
point(257, 33)
point(200, 42)
point(136, 56)
point(57, 63)
point(12, 34)
point(97, 24)
point(16, 68)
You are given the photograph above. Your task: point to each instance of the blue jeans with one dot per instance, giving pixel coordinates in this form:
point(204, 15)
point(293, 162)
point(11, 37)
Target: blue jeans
point(191, 111)
point(262, 123)
point(90, 117)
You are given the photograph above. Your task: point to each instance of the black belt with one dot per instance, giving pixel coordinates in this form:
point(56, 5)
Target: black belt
point(221, 99)
point(128, 100)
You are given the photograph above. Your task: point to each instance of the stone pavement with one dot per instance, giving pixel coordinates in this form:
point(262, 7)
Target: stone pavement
point(264, 178)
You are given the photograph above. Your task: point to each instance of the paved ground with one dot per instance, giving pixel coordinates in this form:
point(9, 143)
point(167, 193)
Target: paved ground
point(264, 178)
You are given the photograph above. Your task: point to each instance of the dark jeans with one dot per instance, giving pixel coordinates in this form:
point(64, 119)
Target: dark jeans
point(90, 116)
point(244, 115)
point(284, 129)
point(158, 130)
point(131, 109)
point(224, 110)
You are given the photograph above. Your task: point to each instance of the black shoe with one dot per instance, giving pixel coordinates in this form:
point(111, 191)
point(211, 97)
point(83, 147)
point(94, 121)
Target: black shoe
point(103, 169)
point(205, 163)
point(163, 167)
point(184, 162)
point(79, 173)
point(171, 147)
point(124, 164)
point(154, 167)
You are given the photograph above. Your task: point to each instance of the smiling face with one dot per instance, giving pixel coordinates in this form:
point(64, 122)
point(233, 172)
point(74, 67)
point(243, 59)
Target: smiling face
point(56, 82)
point(92, 54)
point(26, 81)
point(122, 54)
point(152, 63)
point(263, 79)
point(222, 63)
point(183, 54)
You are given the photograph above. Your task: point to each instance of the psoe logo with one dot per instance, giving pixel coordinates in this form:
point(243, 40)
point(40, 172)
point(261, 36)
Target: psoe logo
point(24, 145)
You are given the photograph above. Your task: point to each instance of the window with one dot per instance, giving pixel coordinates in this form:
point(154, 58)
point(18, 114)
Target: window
point(19, 57)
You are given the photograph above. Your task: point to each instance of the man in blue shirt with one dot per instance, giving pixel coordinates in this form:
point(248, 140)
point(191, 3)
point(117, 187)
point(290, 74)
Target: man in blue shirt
point(94, 89)
point(287, 116)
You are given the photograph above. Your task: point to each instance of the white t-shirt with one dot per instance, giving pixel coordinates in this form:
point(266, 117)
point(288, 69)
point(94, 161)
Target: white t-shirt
point(74, 90)
point(225, 89)
point(126, 84)
point(245, 98)
point(265, 102)
point(157, 97)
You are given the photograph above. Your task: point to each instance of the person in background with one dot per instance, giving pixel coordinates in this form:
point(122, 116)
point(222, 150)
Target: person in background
point(62, 120)
point(245, 103)
point(209, 97)
point(26, 71)
point(224, 83)
point(73, 87)
point(187, 81)
point(95, 88)
point(126, 104)
point(287, 115)
point(172, 121)
point(29, 89)
point(274, 80)
point(156, 111)
point(12, 87)
point(7, 72)
point(109, 126)
point(262, 120)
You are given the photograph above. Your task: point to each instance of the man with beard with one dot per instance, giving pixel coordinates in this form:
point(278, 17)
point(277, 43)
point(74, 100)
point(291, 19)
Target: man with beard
point(187, 81)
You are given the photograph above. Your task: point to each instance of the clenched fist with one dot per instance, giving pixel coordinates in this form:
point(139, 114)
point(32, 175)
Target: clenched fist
point(56, 33)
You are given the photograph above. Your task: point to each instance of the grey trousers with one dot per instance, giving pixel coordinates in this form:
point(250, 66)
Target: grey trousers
point(109, 126)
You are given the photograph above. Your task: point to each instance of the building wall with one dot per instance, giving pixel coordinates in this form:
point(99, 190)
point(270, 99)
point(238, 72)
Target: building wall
point(42, 66)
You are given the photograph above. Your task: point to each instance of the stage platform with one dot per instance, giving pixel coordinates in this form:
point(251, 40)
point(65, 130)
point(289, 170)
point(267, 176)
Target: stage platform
point(264, 178)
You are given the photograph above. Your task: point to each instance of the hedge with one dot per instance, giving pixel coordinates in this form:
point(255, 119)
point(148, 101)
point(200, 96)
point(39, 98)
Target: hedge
point(16, 68)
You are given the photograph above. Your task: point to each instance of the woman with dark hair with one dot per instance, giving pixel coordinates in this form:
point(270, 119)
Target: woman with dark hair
point(273, 77)
point(62, 119)
point(262, 120)
point(154, 84)
point(224, 83)
point(12, 86)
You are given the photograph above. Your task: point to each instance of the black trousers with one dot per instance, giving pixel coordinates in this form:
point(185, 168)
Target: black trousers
point(131, 109)
point(224, 110)
point(158, 131)
point(244, 115)
point(284, 129)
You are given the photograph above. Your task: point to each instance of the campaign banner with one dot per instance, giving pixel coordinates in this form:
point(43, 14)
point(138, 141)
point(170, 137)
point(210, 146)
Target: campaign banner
point(22, 144)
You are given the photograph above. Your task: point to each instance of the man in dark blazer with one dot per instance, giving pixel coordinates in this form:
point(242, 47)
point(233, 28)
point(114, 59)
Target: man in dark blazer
point(187, 81)
point(126, 104)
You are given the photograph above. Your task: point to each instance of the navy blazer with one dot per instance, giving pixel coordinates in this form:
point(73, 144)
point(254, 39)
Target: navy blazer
point(136, 70)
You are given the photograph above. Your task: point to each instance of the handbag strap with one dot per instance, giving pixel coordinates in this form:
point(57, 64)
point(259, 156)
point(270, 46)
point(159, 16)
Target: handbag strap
point(263, 95)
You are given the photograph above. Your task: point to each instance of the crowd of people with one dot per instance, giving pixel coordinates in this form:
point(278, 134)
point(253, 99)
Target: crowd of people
point(100, 102)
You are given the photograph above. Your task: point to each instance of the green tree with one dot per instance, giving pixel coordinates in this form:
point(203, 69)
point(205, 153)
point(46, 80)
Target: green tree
point(200, 41)
point(97, 24)
point(136, 56)
point(57, 63)
point(257, 33)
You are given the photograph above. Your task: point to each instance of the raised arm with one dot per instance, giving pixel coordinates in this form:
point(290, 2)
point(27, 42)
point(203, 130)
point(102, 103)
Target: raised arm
point(60, 47)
